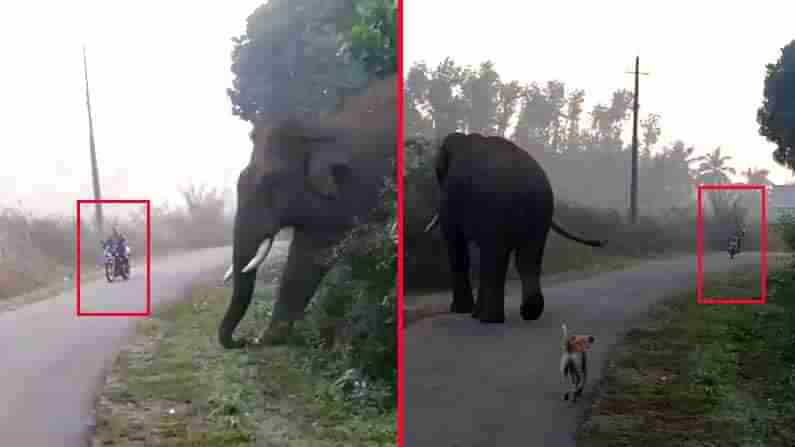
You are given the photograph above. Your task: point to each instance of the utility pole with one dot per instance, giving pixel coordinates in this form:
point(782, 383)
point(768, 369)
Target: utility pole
point(94, 168)
point(633, 206)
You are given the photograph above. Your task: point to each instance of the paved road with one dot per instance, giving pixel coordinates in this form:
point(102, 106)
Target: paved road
point(468, 384)
point(52, 362)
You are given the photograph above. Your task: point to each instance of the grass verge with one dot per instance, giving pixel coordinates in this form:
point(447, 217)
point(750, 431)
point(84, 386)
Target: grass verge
point(704, 375)
point(175, 386)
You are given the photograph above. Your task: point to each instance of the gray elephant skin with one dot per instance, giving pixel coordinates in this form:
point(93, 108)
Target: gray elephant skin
point(320, 178)
point(495, 195)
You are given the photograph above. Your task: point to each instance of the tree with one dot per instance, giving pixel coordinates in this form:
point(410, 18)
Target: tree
point(776, 117)
point(507, 96)
point(301, 58)
point(667, 178)
point(574, 104)
point(757, 176)
point(480, 95)
point(680, 177)
point(445, 104)
point(373, 36)
point(538, 124)
point(651, 133)
point(415, 94)
point(713, 167)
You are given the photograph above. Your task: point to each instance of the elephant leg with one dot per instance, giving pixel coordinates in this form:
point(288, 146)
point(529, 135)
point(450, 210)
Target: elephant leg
point(529, 259)
point(458, 253)
point(307, 264)
point(491, 287)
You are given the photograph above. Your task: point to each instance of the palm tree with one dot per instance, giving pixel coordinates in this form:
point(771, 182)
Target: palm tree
point(757, 176)
point(713, 167)
point(713, 170)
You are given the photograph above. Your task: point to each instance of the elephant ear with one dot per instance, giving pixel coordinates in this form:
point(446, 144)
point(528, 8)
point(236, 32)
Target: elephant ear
point(451, 143)
point(283, 147)
point(326, 172)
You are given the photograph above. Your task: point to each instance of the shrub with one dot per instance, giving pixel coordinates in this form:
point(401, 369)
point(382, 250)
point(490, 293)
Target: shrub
point(785, 227)
point(351, 326)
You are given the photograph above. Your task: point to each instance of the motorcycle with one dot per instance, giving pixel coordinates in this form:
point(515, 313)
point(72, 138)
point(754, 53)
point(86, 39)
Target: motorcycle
point(734, 247)
point(116, 264)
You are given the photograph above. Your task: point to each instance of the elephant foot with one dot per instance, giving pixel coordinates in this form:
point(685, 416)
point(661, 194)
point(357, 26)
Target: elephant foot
point(532, 307)
point(476, 310)
point(276, 334)
point(461, 306)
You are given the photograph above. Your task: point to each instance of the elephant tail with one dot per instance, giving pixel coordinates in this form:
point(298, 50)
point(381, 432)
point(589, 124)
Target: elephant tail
point(593, 243)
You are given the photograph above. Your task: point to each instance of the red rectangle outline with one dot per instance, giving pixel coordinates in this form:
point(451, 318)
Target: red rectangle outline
point(148, 310)
point(700, 246)
point(400, 188)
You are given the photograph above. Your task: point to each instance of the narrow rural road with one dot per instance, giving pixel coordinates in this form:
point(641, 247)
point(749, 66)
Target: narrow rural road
point(53, 363)
point(470, 385)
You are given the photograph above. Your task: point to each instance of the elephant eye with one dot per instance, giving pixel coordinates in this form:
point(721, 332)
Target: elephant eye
point(341, 173)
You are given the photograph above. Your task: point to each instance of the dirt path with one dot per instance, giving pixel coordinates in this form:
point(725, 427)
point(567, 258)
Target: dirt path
point(53, 362)
point(468, 384)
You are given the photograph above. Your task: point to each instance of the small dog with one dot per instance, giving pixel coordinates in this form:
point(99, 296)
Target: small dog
point(574, 362)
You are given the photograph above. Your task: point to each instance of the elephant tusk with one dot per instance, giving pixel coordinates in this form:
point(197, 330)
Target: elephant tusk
point(434, 221)
point(228, 274)
point(259, 258)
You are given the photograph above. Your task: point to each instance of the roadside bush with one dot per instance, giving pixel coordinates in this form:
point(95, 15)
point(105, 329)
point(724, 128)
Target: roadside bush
point(785, 227)
point(25, 261)
point(351, 326)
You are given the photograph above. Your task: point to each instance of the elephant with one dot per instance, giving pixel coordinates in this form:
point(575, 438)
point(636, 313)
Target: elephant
point(319, 177)
point(494, 194)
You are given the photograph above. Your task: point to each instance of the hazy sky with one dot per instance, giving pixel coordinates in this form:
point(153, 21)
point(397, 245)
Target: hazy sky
point(706, 58)
point(158, 72)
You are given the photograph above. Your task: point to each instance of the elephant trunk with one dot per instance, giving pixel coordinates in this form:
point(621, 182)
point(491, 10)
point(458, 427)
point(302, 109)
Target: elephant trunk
point(249, 251)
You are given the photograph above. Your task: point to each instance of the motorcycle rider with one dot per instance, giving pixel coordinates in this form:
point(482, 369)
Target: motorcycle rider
point(117, 242)
point(735, 240)
point(740, 239)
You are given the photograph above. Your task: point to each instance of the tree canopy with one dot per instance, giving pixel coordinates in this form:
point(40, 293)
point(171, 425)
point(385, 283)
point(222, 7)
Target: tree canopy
point(301, 58)
point(582, 150)
point(776, 117)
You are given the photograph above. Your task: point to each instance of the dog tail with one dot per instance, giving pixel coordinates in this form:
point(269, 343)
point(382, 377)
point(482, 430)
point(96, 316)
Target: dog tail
point(565, 336)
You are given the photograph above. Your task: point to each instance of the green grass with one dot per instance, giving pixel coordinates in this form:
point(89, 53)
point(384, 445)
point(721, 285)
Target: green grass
point(704, 375)
point(175, 386)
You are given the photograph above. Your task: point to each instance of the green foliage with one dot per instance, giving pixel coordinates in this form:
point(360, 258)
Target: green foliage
point(351, 326)
point(785, 226)
point(373, 38)
point(776, 117)
point(301, 58)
